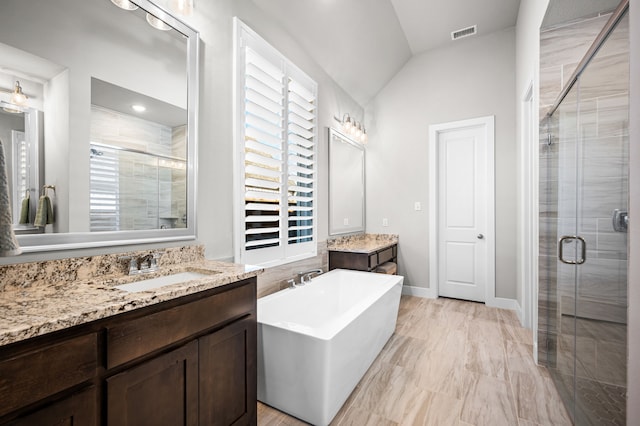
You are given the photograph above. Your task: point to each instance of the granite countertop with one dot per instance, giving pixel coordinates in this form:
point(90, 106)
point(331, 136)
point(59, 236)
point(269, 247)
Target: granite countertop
point(362, 243)
point(37, 310)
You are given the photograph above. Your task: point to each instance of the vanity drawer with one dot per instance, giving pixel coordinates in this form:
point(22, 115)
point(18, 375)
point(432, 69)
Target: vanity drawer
point(385, 255)
point(35, 375)
point(134, 338)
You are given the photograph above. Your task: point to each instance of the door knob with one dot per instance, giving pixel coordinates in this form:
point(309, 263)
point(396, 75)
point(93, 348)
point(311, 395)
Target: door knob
point(480, 236)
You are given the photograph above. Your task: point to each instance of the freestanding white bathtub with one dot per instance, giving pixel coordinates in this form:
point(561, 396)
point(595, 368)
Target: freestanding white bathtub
point(316, 342)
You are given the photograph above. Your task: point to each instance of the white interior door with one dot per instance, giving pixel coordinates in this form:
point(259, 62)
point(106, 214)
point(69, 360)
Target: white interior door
point(464, 209)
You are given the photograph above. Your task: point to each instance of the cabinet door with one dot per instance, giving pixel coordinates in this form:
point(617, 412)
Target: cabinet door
point(228, 375)
point(77, 410)
point(161, 391)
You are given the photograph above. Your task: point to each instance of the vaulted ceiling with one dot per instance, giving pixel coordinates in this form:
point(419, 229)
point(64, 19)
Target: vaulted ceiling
point(362, 44)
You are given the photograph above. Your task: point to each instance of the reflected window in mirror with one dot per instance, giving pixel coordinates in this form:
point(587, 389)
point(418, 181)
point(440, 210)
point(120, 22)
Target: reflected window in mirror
point(346, 184)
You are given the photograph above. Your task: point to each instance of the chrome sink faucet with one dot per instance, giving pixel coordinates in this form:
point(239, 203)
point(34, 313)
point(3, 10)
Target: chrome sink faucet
point(142, 264)
point(147, 263)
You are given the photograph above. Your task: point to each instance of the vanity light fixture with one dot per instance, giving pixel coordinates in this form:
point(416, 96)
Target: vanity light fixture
point(347, 124)
point(18, 97)
point(138, 108)
point(157, 23)
point(181, 7)
point(124, 4)
point(354, 128)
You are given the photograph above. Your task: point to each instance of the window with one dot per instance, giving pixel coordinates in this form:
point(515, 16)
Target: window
point(275, 147)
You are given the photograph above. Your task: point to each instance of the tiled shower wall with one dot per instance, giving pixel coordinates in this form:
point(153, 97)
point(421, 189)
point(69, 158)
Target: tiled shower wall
point(152, 190)
point(596, 113)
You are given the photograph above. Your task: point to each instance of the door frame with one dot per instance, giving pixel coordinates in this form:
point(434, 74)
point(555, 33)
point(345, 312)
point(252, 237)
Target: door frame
point(488, 123)
point(528, 216)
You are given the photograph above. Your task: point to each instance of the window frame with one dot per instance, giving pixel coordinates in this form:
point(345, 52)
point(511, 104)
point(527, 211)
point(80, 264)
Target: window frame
point(284, 252)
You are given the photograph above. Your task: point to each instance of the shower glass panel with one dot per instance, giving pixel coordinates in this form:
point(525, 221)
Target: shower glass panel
point(136, 190)
point(584, 200)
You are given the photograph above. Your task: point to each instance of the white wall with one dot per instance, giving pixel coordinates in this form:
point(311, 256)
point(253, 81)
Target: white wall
point(474, 77)
point(530, 16)
point(633, 330)
point(213, 19)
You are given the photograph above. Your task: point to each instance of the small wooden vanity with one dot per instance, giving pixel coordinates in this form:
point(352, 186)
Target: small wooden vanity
point(188, 360)
point(364, 252)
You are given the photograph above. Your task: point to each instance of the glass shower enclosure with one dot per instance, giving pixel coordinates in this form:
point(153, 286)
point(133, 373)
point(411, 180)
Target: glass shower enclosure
point(583, 259)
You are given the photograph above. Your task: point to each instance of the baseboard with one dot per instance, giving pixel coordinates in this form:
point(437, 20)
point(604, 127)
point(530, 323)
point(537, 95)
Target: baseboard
point(502, 303)
point(519, 313)
point(423, 292)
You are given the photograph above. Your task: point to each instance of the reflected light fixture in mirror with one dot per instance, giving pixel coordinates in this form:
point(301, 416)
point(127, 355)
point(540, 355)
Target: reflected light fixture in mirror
point(124, 4)
point(17, 98)
point(354, 128)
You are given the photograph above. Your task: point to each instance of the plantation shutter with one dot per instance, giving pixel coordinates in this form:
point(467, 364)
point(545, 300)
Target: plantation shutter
point(301, 160)
point(276, 134)
point(264, 150)
point(104, 201)
point(21, 174)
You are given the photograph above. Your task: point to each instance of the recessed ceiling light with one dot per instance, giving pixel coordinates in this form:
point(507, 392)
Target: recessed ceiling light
point(138, 108)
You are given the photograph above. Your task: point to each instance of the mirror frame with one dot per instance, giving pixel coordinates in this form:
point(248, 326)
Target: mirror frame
point(332, 226)
point(76, 240)
point(33, 128)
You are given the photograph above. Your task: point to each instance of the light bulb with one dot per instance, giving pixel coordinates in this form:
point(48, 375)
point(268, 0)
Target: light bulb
point(363, 136)
point(17, 97)
point(346, 123)
point(181, 7)
point(124, 4)
point(157, 23)
point(138, 108)
point(358, 131)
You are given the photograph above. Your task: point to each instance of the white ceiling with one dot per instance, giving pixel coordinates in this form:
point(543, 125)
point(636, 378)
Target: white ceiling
point(362, 44)
point(428, 24)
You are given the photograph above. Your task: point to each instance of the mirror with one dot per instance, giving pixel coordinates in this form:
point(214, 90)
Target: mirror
point(21, 134)
point(108, 129)
point(346, 184)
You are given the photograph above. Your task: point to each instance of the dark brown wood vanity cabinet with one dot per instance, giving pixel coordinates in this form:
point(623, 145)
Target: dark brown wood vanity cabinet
point(77, 409)
point(362, 261)
point(188, 361)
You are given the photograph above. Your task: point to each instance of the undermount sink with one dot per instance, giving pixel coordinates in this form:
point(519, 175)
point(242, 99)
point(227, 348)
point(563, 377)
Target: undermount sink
point(152, 283)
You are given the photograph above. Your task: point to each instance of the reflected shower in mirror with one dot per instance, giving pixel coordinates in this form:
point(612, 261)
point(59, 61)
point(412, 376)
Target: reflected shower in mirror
point(346, 184)
point(116, 93)
point(137, 161)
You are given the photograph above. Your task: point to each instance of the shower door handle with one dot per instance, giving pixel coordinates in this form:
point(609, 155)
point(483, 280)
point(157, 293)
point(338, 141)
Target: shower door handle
point(583, 252)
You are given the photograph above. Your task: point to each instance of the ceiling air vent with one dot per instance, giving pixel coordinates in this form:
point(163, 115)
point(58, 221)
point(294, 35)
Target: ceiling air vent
point(464, 32)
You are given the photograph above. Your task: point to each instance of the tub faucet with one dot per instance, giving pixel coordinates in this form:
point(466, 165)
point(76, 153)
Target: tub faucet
point(305, 277)
point(292, 283)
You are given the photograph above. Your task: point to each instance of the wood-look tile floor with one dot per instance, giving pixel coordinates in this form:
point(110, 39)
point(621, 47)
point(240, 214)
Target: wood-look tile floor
point(449, 362)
